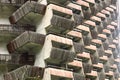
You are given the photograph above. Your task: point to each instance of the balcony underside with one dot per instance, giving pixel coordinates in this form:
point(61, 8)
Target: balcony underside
point(31, 19)
point(31, 48)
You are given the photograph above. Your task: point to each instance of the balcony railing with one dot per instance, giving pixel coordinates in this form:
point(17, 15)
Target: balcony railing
point(98, 66)
point(16, 59)
point(90, 49)
point(4, 28)
point(109, 74)
point(85, 7)
point(24, 38)
point(84, 56)
point(96, 42)
point(25, 72)
point(75, 65)
point(92, 75)
point(27, 7)
point(96, 19)
point(60, 56)
point(103, 59)
point(74, 35)
point(59, 24)
point(58, 2)
point(78, 13)
point(13, 2)
point(90, 24)
point(9, 59)
point(83, 29)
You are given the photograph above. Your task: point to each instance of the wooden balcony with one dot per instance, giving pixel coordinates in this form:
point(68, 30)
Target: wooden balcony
point(96, 42)
point(115, 42)
point(83, 29)
point(17, 59)
point(58, 2)
point(75, 65)
point(90, 24)
point(107, 32)
point(75, 6)
point(14, 3)
point(114, 24)
point(117, 60)
point(84, 4)
point(58, 42)
point(25, 9)
point(108, 52)
point(25, 40)
point(114, 67)
point(60, 20)
point(74, 35)
point(25, 72)
point(107, 13)
point(59, 39)
point(102, 37)
point(57, 56)
point(90, 1)
point(98, 66)
point(84, 56)
point(61, 9)
point(13, 29)
point(7, 59)
point(85, 8)
point(90, 49)
point(112, 46)
point(101, 15)
point(103, 59)
point(109, 9)
point(114, 7)
point(112, 28)
point(60, 50)
point(78, 13)
point(92, 75)
point(96, 19)
point(9, 32)
point(109, 74)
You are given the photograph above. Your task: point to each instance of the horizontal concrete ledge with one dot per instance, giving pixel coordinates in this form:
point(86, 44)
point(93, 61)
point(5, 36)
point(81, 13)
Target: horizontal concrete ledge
point(24, 38)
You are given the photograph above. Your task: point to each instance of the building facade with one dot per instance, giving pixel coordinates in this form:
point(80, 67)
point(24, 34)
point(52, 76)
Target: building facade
point(59, 40)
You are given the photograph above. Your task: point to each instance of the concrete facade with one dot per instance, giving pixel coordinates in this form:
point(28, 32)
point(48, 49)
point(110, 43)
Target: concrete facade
point(72, 40)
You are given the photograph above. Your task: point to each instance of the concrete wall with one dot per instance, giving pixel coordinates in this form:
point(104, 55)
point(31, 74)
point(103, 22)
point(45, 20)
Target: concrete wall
point(3, 49)
point(4, 21)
